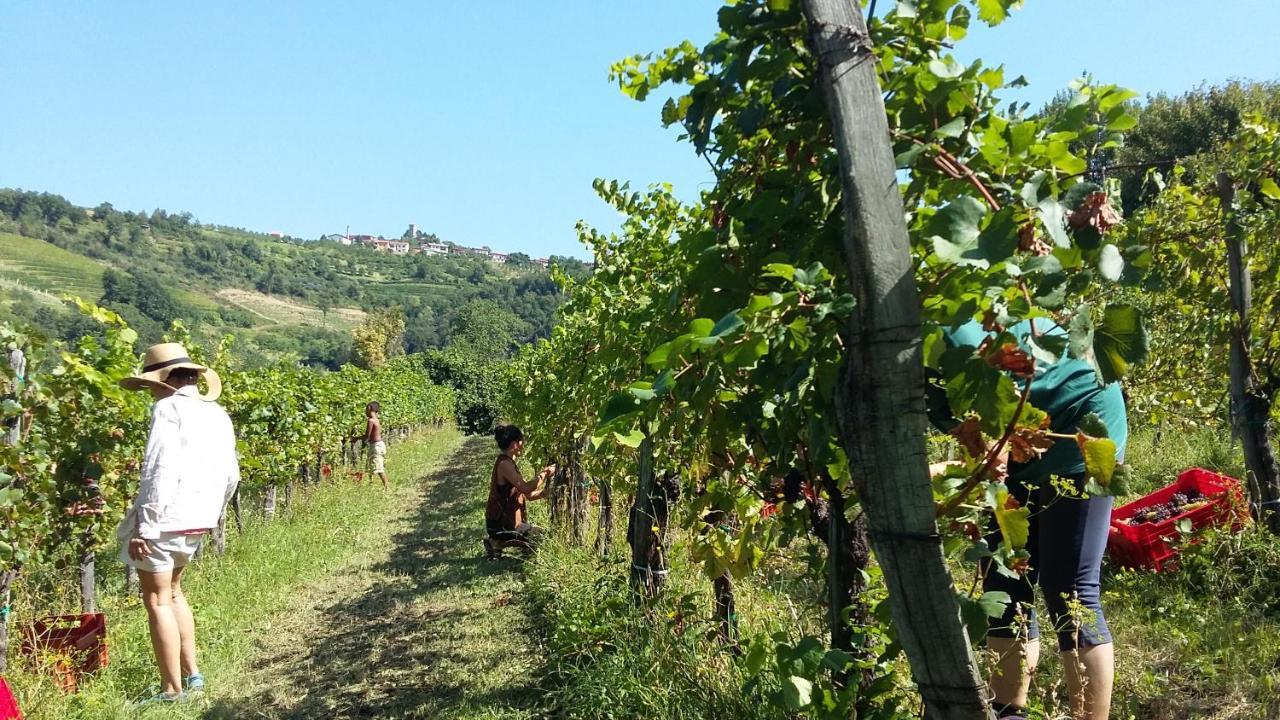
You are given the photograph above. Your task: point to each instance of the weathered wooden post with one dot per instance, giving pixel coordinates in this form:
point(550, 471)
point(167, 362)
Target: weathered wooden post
point(88, 577)
point(882, 415)
point(1250, 409)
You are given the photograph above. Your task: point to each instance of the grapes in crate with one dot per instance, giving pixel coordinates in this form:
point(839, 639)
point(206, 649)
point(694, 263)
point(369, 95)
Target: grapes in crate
point(1179, 503)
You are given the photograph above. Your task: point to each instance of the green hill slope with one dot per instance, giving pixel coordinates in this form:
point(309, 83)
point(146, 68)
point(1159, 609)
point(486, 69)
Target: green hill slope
point(37, 265)
point(277, 295)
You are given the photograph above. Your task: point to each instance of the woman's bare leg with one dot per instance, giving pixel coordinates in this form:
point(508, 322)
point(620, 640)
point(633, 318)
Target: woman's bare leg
point(1090, 672)
point(1016, 661)
point(166, 638)
point(186, 625)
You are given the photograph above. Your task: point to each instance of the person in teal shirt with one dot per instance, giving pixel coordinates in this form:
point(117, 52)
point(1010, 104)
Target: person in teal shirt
point(1068, 534)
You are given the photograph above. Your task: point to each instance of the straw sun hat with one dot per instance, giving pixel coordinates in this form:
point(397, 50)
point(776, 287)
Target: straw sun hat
point(160, 360)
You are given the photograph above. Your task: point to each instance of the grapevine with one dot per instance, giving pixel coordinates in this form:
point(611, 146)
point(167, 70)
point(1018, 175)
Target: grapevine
point(712, 339)
point(66, 484)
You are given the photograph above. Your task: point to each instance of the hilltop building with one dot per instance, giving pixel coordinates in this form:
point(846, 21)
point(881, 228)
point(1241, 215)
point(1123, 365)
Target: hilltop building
point(416, 241)
point(395, 247)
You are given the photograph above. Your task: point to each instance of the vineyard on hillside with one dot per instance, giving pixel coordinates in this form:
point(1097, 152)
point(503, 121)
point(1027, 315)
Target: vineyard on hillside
point(742, 382)
point(66, 481)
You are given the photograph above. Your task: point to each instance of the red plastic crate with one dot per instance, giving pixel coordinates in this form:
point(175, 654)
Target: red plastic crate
point(1148, 545)
point(68, 645)
point(9, 709)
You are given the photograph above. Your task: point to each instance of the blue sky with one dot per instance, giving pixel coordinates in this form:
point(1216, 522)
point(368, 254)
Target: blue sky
point(482, 122)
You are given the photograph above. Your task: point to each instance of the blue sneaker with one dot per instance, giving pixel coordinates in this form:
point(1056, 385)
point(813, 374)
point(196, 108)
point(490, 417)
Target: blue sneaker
point(162, 698)
point(194, 683)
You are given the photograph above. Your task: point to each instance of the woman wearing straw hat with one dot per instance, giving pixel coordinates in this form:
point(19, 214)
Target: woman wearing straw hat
point(189, 471)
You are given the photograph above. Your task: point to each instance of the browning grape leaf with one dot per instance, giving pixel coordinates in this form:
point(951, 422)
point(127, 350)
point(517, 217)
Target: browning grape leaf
point(1026, 444)
point(1011, 358)
point(969, 434)
point(1095, 212)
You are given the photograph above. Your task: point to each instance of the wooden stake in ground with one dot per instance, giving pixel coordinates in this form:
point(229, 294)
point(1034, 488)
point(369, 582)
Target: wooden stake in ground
point(1250, 409)
point(882, 408)
point(269, 502)
point(604, 530)
point(88, 580)
point(235, 508)
point(220, 535)
point(6, 580)
point(646, 528)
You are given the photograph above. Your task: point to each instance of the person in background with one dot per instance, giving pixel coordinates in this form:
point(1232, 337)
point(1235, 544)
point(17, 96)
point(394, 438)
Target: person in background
point(373, 440)
point(1067, 535)
point(189, 472)
point(18, 368)
point(506, 517)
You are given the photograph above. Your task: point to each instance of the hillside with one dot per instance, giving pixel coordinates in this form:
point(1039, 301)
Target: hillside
point(276, 295)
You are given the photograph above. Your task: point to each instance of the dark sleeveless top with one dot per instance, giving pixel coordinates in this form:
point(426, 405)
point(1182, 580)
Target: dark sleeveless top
point(505, 501)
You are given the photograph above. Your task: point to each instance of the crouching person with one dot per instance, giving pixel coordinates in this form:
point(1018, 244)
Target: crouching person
point(506, 518)
point(189, 472)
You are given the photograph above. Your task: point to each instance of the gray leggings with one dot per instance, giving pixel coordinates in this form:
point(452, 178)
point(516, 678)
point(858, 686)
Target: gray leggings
point(1067, 539)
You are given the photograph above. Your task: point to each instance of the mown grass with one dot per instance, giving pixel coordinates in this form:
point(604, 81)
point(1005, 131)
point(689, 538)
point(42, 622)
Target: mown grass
point(237, 597)
point(424, 627)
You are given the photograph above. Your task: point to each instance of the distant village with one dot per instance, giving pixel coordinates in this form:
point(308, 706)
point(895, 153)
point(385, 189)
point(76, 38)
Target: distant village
point(415, 241)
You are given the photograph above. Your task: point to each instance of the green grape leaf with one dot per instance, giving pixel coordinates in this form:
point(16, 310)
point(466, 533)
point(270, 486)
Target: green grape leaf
point(1080, 332)
point(1110, 262)
point(978, 612)
point(1092, 424)
point(1120, 341)
point(1099, 458)
point(994, 12)
point(620, 405)
point(797, 692)
point(727, 325)
point(631, 439)
point(955, 232)
point(983, 389)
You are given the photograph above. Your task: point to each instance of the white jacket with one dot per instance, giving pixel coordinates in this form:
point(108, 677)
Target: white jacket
point(189, 468)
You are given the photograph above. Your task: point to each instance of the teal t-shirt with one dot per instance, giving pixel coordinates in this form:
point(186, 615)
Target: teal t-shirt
point(1067, 390)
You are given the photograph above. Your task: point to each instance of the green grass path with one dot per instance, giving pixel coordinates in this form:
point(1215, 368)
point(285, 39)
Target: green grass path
point(358, 603)
point(418, 625)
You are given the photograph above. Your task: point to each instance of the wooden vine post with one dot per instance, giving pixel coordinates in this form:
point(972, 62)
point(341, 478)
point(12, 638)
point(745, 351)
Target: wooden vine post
point(882, 415)
point(235, 508)
point(645, 528)
point(220, 534)
point(6, 582)
point(88, 577)
point(269, 502)
point(1250, 409)
point(578, 490)
point(604, 528)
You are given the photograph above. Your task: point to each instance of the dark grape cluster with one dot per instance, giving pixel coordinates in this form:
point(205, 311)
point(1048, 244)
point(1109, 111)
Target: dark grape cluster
point(1176, 505)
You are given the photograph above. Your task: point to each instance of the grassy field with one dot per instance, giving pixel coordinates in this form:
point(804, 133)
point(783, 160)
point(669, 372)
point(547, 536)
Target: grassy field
point(357, 603)
point(39, 265)
point(273, 310)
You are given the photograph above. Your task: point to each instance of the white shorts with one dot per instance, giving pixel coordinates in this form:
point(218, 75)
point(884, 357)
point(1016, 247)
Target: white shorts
point(378, 457)
point(168, 552)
